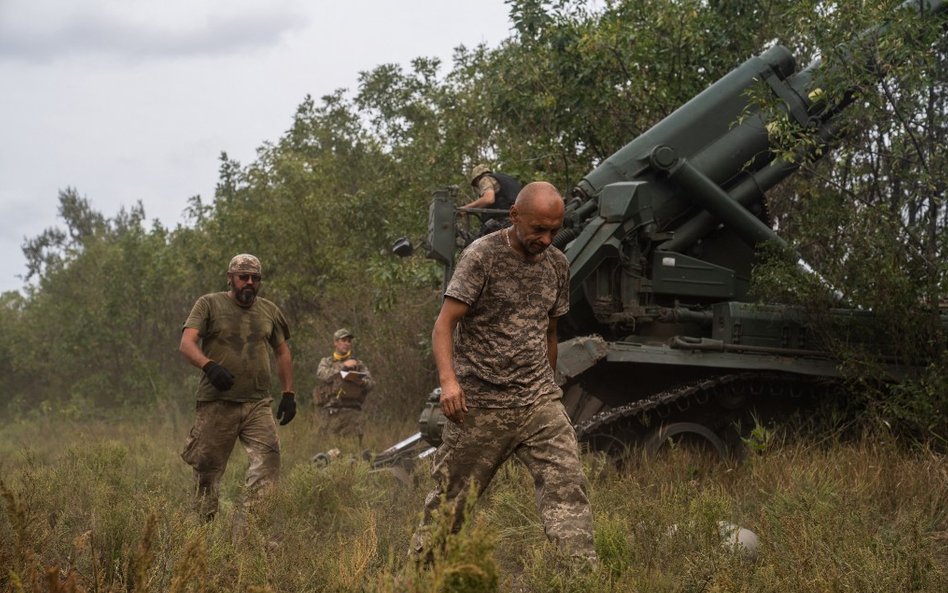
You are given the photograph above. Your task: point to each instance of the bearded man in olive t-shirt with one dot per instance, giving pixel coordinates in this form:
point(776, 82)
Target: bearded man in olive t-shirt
point(495, 347)
point(229, 335)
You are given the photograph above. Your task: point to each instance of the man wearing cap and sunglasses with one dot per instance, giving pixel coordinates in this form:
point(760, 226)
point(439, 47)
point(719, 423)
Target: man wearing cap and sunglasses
point(343, 384)
point(228, 335)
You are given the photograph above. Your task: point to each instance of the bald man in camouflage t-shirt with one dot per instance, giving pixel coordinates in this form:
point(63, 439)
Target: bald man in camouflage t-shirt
point(497, 375)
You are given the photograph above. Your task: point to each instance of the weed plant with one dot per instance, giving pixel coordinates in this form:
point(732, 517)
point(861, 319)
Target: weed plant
point(96, 507)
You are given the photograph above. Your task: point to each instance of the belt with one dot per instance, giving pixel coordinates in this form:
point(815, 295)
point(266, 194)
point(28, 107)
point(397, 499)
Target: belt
point(336, 409)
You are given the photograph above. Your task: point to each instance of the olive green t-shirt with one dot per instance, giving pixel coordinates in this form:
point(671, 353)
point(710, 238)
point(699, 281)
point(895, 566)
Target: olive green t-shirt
point(239, 339)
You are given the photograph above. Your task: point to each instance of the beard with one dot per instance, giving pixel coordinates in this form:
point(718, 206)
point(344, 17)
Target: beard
point(246, 295)
point(535, 248)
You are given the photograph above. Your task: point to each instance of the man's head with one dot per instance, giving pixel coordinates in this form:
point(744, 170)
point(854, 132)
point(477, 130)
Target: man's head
point(244, 274)
point(342, 341)
point(536, 217)
point(477, 172)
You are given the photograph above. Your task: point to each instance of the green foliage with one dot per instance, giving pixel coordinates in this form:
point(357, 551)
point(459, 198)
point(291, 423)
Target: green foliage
point(462, 562)
point(55, 248)
point(921, 404)
point(759, 439)
point(871, 217)
point(576, 85)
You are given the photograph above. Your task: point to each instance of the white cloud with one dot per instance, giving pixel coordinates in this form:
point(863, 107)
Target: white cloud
point(134, 30)
point(129, 100)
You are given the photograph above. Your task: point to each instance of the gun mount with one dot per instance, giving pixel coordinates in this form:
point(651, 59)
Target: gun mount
point(661, 238)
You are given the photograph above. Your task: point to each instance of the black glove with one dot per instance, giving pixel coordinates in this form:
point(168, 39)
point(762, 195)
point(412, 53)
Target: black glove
point(287, 408)
point(219, 377)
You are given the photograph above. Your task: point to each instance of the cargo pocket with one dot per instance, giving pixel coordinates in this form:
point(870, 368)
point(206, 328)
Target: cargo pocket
point(189, 454)
point(189, 448)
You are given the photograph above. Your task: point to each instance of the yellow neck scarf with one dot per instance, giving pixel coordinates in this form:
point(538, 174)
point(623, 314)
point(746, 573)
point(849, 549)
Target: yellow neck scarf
point(337, 357)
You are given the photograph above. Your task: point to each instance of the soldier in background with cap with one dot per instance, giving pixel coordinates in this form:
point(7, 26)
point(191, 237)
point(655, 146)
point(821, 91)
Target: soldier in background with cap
point(227, 336)
point(344, 383)
point(496, 191)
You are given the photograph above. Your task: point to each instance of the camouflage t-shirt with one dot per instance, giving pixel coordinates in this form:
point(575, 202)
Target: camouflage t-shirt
point(500, 349)
point(240, 340)
point(485, 183)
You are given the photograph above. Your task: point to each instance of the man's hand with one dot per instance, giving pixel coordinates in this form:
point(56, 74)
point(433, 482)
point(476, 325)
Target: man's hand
point(351, 366)
point(220, 378)
point(287, 408)
point(452, 403)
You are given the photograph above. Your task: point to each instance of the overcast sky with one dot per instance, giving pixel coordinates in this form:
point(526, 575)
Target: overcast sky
point(134, 100)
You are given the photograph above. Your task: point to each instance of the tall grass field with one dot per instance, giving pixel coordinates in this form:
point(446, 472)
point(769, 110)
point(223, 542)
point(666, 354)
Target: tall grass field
point(103, 507)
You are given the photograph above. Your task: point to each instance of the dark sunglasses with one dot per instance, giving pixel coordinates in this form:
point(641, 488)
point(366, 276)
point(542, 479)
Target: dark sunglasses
point(246, 277)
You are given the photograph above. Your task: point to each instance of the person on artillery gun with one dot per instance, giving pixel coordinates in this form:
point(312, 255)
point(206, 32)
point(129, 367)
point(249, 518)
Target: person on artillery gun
point(495, 191)
point(343, 384)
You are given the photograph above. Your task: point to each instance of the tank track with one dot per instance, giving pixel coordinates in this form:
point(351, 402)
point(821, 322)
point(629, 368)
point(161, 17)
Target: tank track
point(683, 396)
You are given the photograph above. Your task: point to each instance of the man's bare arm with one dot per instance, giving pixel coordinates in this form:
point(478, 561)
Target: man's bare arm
point(486, 200)
point(284, 364)
point(190, 347)
point(442, 346)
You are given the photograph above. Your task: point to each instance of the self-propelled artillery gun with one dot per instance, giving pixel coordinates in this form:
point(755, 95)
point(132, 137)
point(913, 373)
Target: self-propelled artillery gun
point(662, 238)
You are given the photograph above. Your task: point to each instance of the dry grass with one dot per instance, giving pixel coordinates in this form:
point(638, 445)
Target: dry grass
point(86, 512)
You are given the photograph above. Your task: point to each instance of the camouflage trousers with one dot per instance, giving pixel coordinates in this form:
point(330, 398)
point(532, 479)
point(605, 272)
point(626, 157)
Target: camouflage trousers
point(341, 422)
point(217, 426)
point(541, 436)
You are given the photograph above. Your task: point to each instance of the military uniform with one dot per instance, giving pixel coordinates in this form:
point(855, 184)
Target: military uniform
point(340, 402)
point(487, 183)
point(514, 405)
point(505, 188)
point(238, 338)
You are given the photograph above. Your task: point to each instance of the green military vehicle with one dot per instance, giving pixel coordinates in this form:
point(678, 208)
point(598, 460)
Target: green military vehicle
point(661, 237)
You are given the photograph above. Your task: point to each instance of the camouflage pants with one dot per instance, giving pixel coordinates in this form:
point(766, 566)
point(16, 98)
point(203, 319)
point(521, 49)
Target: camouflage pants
point(542, 438)
point(341, 422)
point(217, 426)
